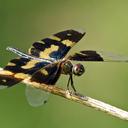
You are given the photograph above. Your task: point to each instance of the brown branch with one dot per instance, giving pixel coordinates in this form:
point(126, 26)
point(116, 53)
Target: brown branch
point(85, 100)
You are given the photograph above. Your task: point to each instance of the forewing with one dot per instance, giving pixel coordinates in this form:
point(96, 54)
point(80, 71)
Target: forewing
point(91, 55)
point(36, 97)
point(56, 46)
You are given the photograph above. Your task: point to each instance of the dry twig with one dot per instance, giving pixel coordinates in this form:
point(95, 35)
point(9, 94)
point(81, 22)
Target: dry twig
point(85, 100)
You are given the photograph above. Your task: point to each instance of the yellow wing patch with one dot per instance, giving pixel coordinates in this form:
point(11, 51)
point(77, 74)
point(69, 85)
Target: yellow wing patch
point(30, 64)
point(5, 72)
point(55, 38)
point(44, 71)
point(68, 43)
point(11, 64)
point(47, 51)
point(21, 75)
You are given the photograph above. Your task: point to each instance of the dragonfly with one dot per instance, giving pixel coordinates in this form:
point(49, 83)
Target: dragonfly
point(46, 60)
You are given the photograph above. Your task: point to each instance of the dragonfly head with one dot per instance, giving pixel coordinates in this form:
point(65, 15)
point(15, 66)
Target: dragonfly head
point(78, 69)
point(69, 68)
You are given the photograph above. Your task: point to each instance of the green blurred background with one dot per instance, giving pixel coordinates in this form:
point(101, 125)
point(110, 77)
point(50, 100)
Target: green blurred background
point(106, 23)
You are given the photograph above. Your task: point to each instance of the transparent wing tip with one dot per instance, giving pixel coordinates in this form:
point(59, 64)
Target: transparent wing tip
point(1, 69)
point(3, 87)
point(36, 97)
point(80, 31)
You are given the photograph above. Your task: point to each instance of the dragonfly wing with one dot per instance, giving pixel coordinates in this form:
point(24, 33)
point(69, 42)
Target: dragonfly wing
point(91, 55)
point(13, 72)
point(36, 97)
point(19, 69)
point(47, 75)
point(56, 46)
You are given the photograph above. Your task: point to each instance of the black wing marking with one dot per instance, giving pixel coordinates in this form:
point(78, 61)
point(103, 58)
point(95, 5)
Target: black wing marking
point(56, 46)
point(19, 69)
point(91, 55)
point(48, 74)
point(86, 56)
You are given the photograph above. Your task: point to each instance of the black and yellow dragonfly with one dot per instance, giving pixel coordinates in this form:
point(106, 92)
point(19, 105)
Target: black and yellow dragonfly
point(46, 60)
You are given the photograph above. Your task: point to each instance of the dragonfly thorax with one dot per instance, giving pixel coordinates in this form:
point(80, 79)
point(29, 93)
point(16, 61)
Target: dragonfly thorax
point(69, 68)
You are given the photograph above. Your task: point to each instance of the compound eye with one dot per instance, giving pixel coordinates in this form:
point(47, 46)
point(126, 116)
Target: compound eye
point(78, 69)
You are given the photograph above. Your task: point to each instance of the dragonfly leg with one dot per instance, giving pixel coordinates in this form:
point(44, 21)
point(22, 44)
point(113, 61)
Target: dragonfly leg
point(70, 80)
point(68, 83)
point(72, 83)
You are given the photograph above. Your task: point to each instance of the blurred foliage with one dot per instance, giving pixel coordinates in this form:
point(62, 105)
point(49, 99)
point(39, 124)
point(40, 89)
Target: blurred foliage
point(106, 24)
